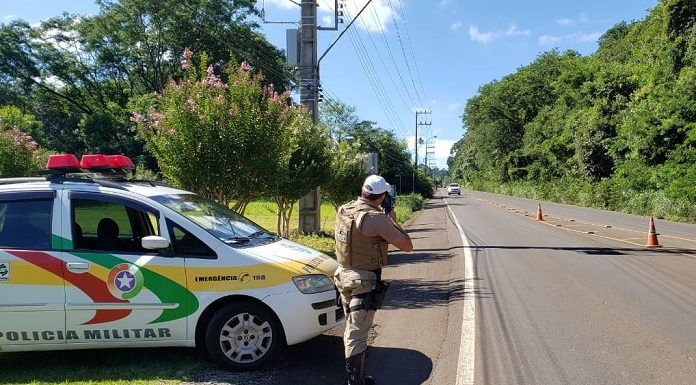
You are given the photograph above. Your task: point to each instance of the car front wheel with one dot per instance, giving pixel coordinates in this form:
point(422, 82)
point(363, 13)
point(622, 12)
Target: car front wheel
point(243, 336)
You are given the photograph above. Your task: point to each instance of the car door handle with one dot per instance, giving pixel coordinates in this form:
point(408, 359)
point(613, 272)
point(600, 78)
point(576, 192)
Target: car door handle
point(78, 267)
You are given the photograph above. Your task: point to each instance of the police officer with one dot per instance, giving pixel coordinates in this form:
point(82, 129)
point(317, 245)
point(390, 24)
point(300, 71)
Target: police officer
point(363, 232)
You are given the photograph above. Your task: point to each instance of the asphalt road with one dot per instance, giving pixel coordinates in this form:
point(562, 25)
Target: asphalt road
point(577, 298)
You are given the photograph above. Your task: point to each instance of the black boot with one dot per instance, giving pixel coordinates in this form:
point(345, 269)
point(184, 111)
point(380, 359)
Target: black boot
point(355, 369)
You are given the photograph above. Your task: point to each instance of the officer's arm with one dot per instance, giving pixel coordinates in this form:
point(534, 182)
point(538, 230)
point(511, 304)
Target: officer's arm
point(402, 242)
point(394, 234)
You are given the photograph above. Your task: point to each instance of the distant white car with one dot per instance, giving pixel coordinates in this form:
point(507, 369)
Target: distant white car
point(453, 188)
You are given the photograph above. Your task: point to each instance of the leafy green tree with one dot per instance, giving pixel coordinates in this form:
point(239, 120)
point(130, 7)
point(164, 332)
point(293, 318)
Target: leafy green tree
point(76, 74)
point(223, 140)
point(306, 164)
point(347, 169)
point(11, 116)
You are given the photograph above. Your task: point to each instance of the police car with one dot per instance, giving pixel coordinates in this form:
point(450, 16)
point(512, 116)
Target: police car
point(90, 260)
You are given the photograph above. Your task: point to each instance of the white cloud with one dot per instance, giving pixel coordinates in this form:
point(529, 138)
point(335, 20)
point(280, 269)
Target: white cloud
point(573, 37)
point(513, 31)
point(375, 18)
point(8, 17)
point(486, 37)
point(549, 40)
point(444, 3)
point(482, 37)
point(453, 106)
point(456, 25)
point(283, 4)
point(442, 149)
point(583, 18)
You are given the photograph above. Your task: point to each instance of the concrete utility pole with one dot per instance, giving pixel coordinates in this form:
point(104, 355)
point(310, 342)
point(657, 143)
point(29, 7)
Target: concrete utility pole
point(415, 161)
point(310, 204)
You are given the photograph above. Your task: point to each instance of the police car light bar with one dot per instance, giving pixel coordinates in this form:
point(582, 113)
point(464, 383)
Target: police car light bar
point(68, 163)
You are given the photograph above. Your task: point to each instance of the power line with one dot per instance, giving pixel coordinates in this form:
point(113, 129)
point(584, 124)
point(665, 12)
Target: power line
point(375, 82)
point(384, 38)
point(415, 62)
point(403, 51)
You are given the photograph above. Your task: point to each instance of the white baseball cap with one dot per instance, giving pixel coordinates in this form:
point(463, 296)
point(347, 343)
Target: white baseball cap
point(375, 184)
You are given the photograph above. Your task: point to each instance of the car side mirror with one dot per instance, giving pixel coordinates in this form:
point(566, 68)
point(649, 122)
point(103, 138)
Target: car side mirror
point(154, 242)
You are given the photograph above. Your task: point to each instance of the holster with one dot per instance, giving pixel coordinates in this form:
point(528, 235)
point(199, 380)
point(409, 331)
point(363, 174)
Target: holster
point(376, 297)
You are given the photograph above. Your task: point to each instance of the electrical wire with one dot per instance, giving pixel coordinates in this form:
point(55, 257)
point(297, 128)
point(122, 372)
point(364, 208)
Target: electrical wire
point(415, 62)
point(386, 69)
point(403, 51)
point(375, 82)
point(391, 55)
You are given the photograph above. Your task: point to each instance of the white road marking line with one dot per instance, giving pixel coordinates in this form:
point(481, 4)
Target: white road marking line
point(467, 346)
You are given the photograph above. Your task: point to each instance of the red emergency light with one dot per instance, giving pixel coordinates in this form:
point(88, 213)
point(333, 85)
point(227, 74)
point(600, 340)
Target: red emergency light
point(121, 162)
point(68, 163)
point(94, 162)
point(62, 162)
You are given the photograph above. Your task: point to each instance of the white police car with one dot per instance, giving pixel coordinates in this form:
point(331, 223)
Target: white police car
point(453, 188)
point(92, 262)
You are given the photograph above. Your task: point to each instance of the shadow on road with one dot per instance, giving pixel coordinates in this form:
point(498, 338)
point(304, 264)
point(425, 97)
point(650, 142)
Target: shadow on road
point(418, 256)
point(591, 250)
point(398, 366)
point(419, 293)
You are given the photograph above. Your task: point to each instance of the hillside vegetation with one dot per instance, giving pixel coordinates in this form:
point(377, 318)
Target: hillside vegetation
point(614, 130)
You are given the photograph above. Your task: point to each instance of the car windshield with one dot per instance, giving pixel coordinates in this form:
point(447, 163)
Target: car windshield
point(218, 220)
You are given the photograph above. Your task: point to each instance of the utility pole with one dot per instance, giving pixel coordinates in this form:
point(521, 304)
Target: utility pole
point(310, 204)
point(415, 160)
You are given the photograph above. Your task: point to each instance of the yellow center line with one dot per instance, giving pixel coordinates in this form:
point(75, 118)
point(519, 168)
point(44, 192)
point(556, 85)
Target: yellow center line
point(579, 223)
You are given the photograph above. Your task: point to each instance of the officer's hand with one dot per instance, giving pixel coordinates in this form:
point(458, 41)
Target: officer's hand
point(387, 203)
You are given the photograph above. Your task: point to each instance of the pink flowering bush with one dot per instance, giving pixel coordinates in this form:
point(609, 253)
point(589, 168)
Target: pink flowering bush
point(223, 139)
point(19, 154)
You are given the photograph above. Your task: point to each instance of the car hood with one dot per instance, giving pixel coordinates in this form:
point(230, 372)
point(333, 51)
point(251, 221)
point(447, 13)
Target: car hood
point(302, 259)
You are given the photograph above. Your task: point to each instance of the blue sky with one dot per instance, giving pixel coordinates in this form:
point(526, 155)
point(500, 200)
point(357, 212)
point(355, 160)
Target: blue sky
point(408, 55)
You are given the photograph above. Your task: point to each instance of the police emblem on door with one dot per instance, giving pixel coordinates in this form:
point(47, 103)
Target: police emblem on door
point(125, 281)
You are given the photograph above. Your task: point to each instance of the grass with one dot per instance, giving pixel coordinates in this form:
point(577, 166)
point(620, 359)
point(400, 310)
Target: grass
point(264, 213)
point(152, 366)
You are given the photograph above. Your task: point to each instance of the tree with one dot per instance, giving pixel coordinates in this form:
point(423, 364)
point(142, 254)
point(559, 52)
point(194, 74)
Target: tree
point(347, 169)
point(76, 74)
point(223, 140)
point(306, 164)
point(19, 154)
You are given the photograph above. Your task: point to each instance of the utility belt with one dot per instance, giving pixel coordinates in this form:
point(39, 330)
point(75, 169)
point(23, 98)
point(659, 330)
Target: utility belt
point(371, 300)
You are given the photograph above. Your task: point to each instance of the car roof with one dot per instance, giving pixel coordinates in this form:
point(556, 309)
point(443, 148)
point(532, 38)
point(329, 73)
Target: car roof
point(144, 188)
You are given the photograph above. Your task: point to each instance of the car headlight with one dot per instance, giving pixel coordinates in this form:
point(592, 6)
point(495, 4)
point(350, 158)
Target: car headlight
point(314, 283)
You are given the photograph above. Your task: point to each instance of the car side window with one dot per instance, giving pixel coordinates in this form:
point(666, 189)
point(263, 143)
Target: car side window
point(108, 226)
point(26, 224)
point(186, 244)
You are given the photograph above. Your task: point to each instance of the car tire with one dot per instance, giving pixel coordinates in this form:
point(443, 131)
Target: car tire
point(243, 336)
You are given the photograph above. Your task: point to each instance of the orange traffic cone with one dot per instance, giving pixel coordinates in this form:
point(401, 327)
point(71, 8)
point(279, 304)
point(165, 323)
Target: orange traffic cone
point(652, 235)
point(540, 216)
